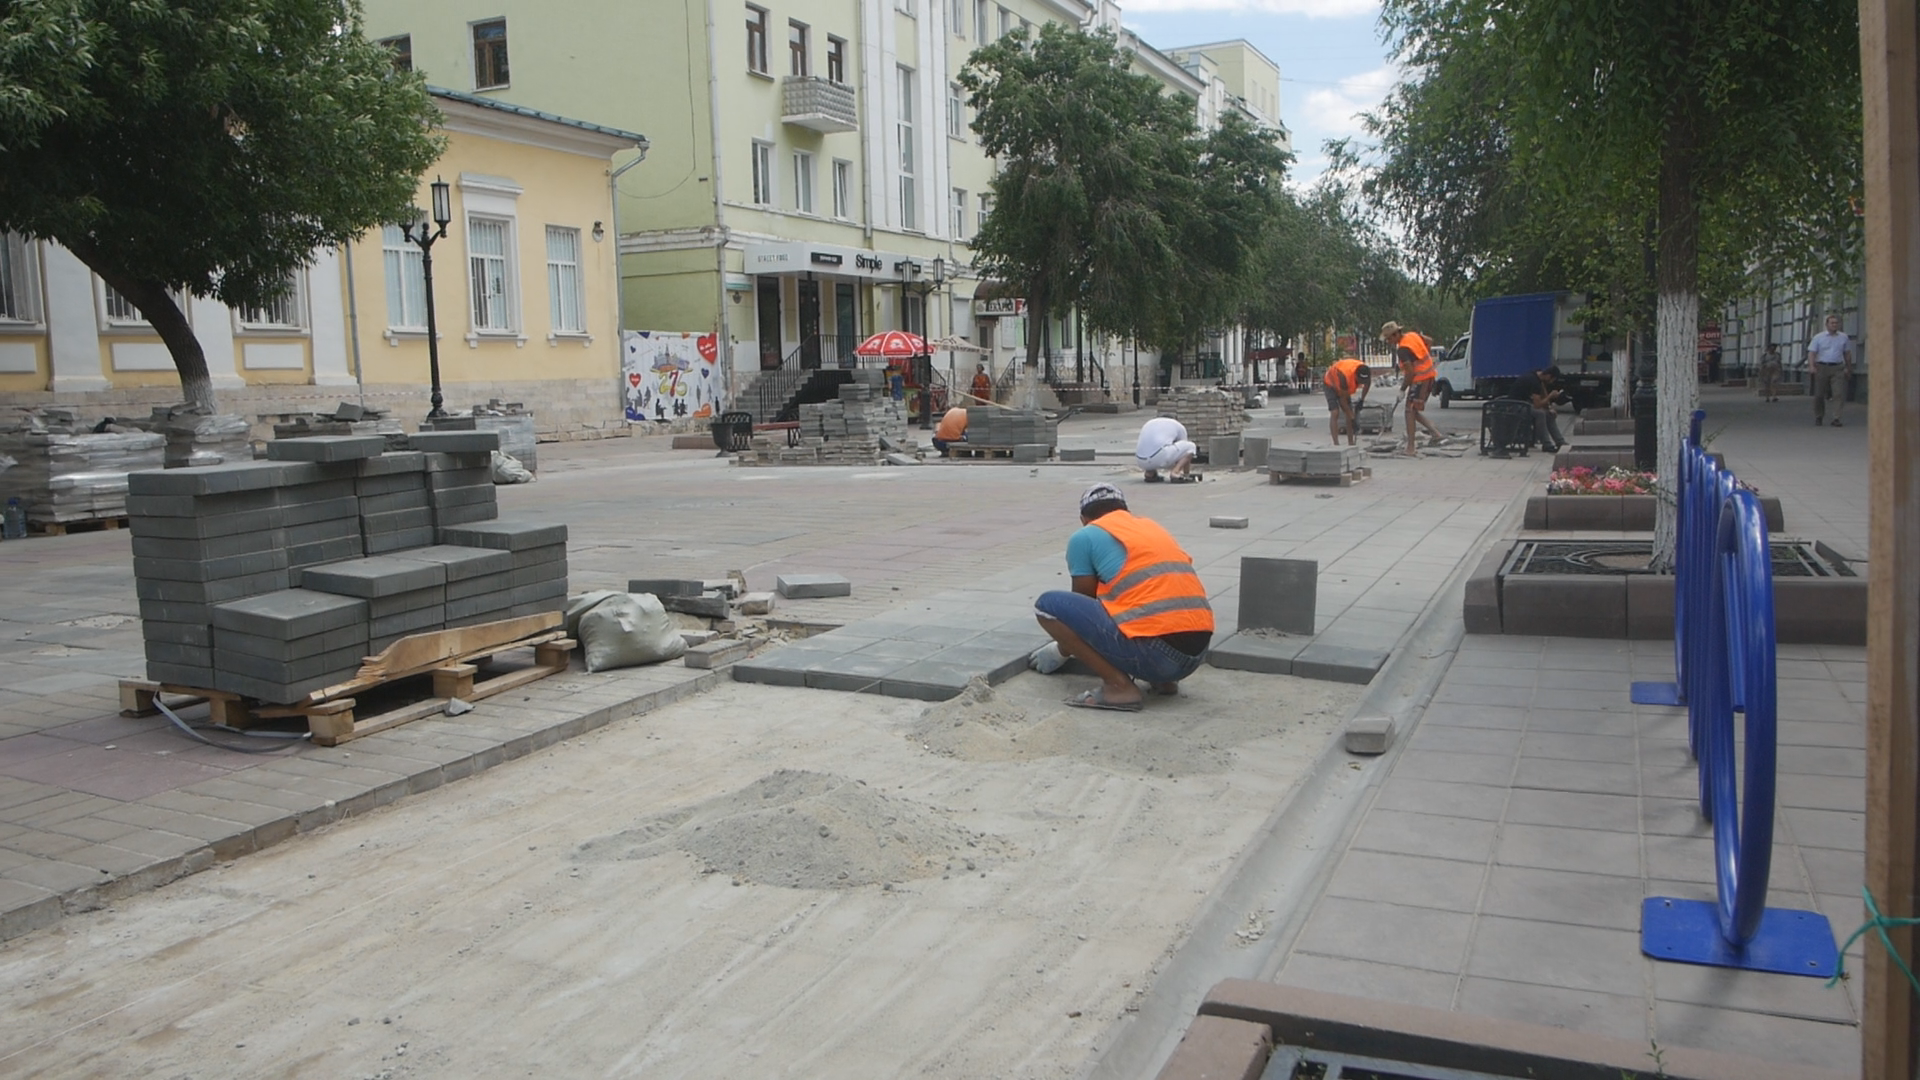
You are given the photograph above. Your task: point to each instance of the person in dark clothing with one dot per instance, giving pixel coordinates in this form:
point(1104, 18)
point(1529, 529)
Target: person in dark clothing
point(1538, 390)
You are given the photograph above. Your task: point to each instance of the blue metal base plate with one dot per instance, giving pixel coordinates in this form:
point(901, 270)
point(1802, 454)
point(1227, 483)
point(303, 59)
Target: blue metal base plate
point(1790, 942)
point(1656, 693)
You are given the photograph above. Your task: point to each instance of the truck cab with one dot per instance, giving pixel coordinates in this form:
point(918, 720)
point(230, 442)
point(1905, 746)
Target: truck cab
point(1453, 374)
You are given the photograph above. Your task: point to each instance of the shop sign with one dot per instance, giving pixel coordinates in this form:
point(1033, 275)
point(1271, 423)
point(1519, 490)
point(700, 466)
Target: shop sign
point(1000, 307)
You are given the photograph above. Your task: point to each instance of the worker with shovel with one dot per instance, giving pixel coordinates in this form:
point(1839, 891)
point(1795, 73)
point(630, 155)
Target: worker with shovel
point(1410, 352)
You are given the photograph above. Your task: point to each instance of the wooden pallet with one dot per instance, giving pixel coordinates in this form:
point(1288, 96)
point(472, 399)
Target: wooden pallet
point(450, 657)
point(1345, 479)
point(963, 450)
point(62, 528)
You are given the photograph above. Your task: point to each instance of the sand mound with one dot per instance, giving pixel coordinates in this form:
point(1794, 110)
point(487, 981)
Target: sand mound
point(807, 830)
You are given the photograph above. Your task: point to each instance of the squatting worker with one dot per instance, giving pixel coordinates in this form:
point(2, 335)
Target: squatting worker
point(1137, 609)
point(1163, 447)
point(1415, 360)
point(952, 428)
point(1342, 379)
point(1829, 368)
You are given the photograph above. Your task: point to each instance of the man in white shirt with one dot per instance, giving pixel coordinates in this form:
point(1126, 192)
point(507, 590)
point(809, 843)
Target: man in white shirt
point(1829, 369)
point(1164, 448)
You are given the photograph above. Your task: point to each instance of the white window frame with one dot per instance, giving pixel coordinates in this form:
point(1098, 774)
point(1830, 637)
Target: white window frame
point(396, 251)
point(836, 59)
point(509, 279)
point(803, 181)
point(957, 11)
point(138, 323)
point(473, 42)
point(957, 216)
point(251, 320)
point(1006, 24)
point(20, 292)
point(842, 188)
point(980, 21)
point(562, 322)
point(765, 191)
point(903, 134)
point(982, 207)
point(956, 112)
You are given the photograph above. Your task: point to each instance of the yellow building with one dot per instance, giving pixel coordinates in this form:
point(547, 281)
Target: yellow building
point(524, 291)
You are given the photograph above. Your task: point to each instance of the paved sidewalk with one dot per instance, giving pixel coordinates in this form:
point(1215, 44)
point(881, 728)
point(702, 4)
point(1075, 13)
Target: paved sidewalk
point(93, 805)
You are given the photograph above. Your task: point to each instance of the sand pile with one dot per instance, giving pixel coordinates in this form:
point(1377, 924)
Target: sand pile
point(807, 830)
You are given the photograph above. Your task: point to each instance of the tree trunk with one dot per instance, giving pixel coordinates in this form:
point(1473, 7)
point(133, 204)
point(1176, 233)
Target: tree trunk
point(156, 305)
point(1676, 316)
point(1622, 377)
point(1030, 376)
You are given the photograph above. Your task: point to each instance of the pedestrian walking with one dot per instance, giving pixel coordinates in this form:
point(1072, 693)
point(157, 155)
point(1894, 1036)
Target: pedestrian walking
point(1829, 369)
point(1770, 373)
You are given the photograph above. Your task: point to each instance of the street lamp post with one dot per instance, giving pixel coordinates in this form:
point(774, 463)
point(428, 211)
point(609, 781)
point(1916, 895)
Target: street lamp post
point(420, 233)
point(924, 364)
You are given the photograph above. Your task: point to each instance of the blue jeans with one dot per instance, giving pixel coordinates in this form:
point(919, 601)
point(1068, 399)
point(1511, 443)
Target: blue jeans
point(1145, 658)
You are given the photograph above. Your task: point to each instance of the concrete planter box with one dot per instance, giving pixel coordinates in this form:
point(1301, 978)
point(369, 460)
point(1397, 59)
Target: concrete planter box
point(1806, 610)
point(1614, 513)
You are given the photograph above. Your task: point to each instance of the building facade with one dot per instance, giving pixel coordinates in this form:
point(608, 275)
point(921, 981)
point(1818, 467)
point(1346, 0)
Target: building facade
point(812, 176)
point(524, 290)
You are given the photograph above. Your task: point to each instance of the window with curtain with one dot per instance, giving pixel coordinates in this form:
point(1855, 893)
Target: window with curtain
point(566, 301)
point(19, 297)
point(406, 281)
point(490, 272)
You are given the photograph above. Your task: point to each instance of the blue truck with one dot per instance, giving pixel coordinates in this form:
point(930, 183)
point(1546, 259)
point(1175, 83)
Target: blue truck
point(1513, 336)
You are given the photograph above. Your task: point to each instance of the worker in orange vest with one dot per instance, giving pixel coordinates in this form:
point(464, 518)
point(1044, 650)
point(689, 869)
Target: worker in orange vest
point(1410, 351)
point(1342, 379)
point(1137, 609)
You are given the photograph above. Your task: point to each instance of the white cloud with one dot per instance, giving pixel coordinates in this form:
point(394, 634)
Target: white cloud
point(1333, 112)
point(1315, 9)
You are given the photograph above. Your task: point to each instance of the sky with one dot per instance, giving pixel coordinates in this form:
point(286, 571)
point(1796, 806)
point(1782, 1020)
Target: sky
point(1332, 63)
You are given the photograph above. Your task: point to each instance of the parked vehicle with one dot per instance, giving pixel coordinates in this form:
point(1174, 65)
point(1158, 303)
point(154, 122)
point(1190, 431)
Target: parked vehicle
point(1513, 336)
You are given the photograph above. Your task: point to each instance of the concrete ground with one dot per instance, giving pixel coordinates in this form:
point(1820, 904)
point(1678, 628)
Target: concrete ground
point(687, 974)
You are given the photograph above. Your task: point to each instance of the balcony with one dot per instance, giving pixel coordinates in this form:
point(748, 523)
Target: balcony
point(817, 104)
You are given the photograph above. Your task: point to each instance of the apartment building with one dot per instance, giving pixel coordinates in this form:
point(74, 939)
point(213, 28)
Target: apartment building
point(812, 176)
point(524, 284)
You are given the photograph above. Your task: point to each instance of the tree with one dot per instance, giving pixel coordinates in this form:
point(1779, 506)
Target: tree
point(1318, 266)
point(204, 147)
point(1108, 199)
point(1576, 137)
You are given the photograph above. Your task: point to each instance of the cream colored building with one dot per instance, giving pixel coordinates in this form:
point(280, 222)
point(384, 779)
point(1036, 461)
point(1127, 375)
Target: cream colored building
point(811, 177)
point(524, 290)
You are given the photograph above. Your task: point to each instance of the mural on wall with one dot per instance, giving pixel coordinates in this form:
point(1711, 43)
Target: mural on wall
point(670, 376)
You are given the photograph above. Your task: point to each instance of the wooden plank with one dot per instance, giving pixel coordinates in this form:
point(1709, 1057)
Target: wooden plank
point(136, 697)
point(453, 681)
point(421, 653)
point(406, 714)
point(1889, 46)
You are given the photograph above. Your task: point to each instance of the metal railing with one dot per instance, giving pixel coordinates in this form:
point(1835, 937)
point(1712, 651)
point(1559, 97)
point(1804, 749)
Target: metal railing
point(1724, 662)
point(825, 350)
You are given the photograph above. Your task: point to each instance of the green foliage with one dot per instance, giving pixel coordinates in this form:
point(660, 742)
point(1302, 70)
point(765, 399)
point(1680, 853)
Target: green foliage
point(1108, 199)
point(1529, 149)
point(1319, 266)
point(204, 146)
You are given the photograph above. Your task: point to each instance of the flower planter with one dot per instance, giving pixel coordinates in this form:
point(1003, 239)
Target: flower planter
point(1613, 513)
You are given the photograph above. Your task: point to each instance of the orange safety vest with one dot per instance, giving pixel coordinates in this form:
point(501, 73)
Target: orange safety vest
point(1422, 369)
point(1344, 376)
point(1157, 591)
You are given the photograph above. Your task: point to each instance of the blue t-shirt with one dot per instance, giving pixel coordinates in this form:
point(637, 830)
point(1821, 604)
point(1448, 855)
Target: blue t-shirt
point(1094, 550)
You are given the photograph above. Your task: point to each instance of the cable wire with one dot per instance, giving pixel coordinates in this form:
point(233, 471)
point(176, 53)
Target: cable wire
point(1877, 923)
point(189, 732)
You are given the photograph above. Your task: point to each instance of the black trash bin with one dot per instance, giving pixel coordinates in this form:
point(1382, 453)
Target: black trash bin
point(733, 432)
point(1506, 427)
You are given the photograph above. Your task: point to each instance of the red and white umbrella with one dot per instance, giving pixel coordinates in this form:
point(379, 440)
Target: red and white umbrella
point(893, 345)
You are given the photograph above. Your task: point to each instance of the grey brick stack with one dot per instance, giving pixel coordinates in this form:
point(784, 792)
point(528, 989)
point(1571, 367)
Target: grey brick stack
point(1009, 428)
point(404, 596)
point(282, 646)
point(1204, 411)
point(848, 431)
point(272, 579)
point(538, 578)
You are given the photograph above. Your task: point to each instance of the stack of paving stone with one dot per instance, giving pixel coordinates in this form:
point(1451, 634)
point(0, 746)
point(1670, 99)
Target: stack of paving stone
point(1204, 411)
point(847, 431)
point(1007, 428)
point(64, 472)
point(195, 438)
point(1333, 461)
point(281, 646)
point(509, 420)
point(245, 535)
point(536, 571)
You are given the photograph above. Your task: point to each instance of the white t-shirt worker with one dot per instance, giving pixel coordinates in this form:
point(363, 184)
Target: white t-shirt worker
point(1164, 447)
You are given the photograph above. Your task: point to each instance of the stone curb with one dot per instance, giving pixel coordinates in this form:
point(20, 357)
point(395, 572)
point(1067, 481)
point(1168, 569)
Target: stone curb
point(35, 912)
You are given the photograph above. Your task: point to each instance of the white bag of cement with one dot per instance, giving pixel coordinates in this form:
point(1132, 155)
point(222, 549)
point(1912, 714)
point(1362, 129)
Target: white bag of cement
point(508, 470)
point(627, 630)
point(585, 602)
